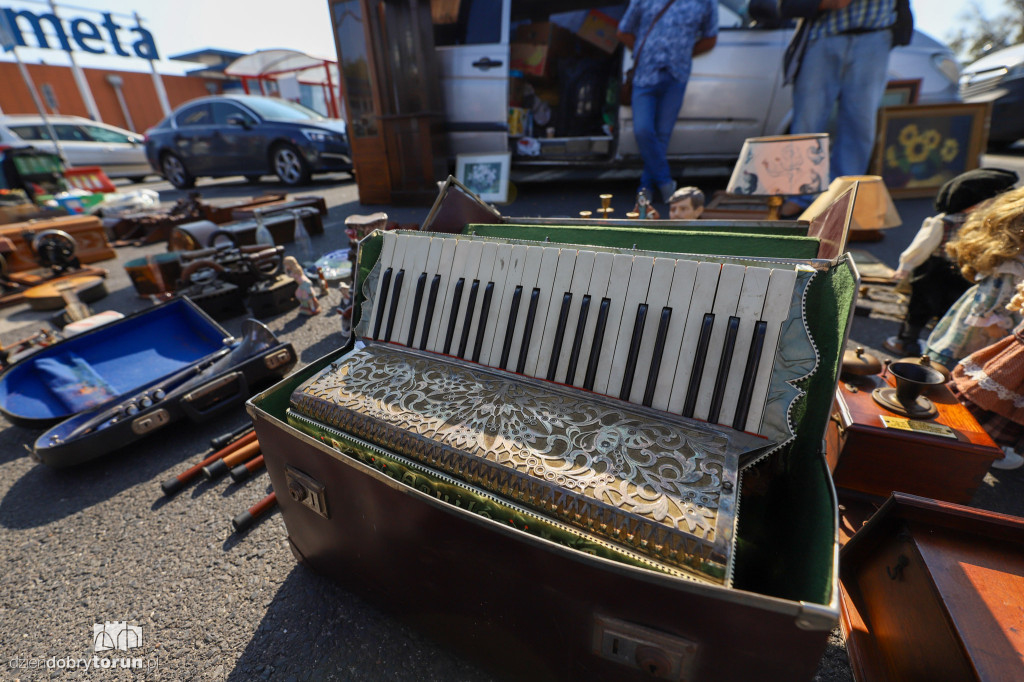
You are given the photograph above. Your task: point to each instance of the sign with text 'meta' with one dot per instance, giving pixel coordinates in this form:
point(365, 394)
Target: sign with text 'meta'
point(18, 27)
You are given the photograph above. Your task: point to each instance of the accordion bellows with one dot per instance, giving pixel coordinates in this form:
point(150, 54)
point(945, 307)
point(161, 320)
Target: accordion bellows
point(663, 486)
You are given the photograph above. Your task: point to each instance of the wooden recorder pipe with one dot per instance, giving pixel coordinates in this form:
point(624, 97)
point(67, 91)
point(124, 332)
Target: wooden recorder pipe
point(228, 438)
point(173, 485)
point(246, 519)
point(244, 471)
point(224, 465)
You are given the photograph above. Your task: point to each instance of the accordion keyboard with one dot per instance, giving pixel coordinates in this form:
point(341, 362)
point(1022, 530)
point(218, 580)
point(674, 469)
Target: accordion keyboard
point(694, 338)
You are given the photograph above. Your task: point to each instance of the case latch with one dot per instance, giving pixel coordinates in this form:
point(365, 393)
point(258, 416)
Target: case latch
point(306, 490)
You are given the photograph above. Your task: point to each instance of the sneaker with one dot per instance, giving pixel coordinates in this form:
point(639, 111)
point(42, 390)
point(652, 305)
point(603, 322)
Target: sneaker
point(1009, 460)
point(898, 346)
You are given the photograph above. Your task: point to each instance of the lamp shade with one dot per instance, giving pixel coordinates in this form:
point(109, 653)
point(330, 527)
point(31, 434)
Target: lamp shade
point(781, 165)
point(873, 208)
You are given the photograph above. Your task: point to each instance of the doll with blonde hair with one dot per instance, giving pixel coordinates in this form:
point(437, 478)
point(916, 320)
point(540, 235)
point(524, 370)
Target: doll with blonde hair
point(989, 249)
point(308, 303)
point(990, 383)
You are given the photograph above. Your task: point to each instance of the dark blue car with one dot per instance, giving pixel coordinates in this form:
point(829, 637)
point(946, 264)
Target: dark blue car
point(246, 135)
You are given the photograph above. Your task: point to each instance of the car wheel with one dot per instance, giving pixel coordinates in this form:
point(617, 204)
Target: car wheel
point(289, 165)
point(174, 170)
point(253, 179)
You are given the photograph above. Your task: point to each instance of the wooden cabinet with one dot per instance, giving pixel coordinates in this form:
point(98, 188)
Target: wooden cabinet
point(867, 457)
point(392, 97)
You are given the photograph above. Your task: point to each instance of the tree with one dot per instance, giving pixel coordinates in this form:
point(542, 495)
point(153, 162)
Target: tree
point(980, 34)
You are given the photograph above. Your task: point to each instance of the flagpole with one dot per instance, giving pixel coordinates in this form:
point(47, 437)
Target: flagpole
point(9, 44)
point(39, 105)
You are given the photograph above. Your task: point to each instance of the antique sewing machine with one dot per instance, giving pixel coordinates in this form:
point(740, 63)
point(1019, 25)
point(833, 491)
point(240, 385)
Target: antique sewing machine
point(522, 424)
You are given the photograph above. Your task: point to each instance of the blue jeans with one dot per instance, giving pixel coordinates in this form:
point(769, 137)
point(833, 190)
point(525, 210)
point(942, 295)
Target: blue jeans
point(655, 110)
point(850, 70)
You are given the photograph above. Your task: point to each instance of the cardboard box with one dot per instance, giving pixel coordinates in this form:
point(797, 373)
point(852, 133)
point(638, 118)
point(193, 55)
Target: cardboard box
point(537, 47)
point(599, 29)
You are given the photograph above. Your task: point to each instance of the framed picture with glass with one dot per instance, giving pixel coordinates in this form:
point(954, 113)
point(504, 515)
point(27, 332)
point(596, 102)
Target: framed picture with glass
point(486, 175)
point(901, 92)
point(918, 148)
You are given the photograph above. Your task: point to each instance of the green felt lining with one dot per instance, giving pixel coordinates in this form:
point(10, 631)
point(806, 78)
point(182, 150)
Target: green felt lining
point(673, 240)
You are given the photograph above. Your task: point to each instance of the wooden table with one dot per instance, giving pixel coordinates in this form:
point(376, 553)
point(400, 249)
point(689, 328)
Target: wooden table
point(867, 457)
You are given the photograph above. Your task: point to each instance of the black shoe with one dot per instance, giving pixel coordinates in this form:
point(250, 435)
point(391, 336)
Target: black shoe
point(898, 346)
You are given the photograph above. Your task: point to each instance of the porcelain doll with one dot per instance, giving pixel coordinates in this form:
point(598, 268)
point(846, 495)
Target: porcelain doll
point(308, 303)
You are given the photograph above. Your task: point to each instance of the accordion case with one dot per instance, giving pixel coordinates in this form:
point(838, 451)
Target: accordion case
point(558, 508)
point(114, 384)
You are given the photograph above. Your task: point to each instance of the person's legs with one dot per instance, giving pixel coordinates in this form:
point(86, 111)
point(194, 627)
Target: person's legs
point(645, 107)
point(863, 78)
point(664, 123)
point(814, 94)
point(655, 109)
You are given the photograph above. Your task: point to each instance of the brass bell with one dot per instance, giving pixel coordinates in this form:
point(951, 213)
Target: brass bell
point(857, 363)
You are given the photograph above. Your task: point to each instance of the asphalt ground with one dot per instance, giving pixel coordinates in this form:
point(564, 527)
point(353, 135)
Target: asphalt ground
point(100, 543)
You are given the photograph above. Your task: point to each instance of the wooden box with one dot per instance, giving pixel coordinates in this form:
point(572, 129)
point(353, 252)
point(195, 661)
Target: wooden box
point(87, 231)
point(932, 591)
point(867, 457)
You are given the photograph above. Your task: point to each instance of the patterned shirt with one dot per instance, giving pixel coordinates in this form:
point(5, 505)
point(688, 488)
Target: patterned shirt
point(859, 15)
point(669, 46)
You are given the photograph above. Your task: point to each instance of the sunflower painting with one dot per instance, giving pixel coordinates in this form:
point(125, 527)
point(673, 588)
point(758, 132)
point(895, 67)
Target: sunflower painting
point(921, 147)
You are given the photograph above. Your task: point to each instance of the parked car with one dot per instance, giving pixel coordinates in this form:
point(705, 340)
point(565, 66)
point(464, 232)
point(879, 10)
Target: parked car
point(998, 78)
point(117, 151)
point(246, 135)
point(735, 90)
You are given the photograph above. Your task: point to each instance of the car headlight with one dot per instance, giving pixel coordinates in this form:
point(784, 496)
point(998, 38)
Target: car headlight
point(1016, 71)
point(320, 135)
point(947, 66)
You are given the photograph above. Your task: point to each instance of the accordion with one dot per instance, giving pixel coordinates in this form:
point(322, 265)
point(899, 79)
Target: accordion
point(605, 399)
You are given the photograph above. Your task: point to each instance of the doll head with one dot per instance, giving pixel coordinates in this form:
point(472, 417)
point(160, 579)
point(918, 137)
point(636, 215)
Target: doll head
point(973, 187)
point(992, 233)
point(292, 267)
point(686, 203)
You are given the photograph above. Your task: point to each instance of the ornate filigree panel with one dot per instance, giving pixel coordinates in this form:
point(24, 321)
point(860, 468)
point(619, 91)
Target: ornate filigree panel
point(666, 486)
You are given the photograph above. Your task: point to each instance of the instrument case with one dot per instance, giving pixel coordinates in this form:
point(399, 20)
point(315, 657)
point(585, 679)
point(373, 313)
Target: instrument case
point(529, 608)
point(112, 385)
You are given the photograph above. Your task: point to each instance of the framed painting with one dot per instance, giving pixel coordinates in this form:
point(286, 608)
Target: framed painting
point(486, 175)
point(918, 148)
point(900, 93)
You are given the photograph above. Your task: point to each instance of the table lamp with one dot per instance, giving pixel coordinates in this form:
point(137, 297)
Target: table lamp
point(779, 166)
point(873, 208)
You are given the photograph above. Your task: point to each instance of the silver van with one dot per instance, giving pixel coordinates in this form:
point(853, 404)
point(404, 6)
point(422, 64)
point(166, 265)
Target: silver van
point(735, 91)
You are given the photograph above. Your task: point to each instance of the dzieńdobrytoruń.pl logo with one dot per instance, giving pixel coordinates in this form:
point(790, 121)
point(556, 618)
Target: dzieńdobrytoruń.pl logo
point(107, 638)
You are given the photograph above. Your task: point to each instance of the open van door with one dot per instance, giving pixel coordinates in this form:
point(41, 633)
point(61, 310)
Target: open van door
point(472, 48)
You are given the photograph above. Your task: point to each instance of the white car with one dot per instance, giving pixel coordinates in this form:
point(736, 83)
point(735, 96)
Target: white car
point(119, 152)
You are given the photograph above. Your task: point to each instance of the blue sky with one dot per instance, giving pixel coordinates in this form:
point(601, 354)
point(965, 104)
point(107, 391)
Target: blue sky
point(246, 25)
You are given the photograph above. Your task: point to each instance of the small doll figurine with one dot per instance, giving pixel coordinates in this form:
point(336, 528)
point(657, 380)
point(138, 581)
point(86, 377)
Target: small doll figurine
point(686, 203)
point(989, 249)
point(308, 303)
point(933, 276)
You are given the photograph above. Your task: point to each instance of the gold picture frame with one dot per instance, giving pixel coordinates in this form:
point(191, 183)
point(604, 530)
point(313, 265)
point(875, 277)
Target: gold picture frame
point(918, 148)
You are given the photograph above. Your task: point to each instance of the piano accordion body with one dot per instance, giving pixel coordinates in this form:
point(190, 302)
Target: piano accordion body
point(603, 398)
